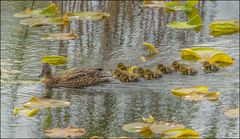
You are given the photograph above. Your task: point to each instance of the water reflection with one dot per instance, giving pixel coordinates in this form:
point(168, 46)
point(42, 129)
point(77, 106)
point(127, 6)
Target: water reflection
point(103, 109)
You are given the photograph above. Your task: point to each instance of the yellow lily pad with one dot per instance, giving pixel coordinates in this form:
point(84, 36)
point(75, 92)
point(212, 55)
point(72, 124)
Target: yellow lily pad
point(232, 113)
point(59, 36)
point(41, 21)
point(54, 59)
point(150, 119)
point(134, 127)
point(161, 126)
point(225, 26)
point(174, 5)
point(154, 4)
point(25, 111)
point(195, 22)
point(198, 97)
point(146, 132)
point(151, 47)
point(204, 53)
point(187, 91)
point(89, 15)
point(46, 103)
point(180, 133)
point(51, 10)
point(65, 132)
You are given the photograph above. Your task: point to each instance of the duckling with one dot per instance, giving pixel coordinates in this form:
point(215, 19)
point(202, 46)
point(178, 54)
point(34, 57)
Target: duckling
point(176, 65)
point(148, 74)
point(210, 68)
point(117, 73)
point(157, 74)
point(185, 70)
point(75, 78)
point(164, 69)
point(122, 67)
point(124, 77)
point(140, 72)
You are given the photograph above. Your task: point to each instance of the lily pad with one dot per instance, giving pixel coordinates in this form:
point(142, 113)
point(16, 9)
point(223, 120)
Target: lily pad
point(41, 21)
point(146, 132)
point(25, 111)
point(225, 26)
point(134, 127)
point(198, 97)
point(65, 132)
point(89, 15)
point(195, 22)
point(187, 91)
point(151, 47)
point(232, 113)
point(150, 119)
point(154, 4)
point(46, 103)
point(180, 133)
point(54, 59)
point(204, 53)
point(51, 10)
point(161, 126)
point(59, 36)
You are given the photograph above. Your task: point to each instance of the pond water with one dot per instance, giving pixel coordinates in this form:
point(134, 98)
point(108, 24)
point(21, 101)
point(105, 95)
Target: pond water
point(102, 110)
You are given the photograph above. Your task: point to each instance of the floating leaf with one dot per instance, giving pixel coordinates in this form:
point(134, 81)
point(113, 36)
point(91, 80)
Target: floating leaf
point(134, 127)
point(46, 103)
point(150, 119)
point(41, 21)
point(180, 133)
point(161, 126)
point(187, 91)
point(152, 48)
point(59, 36)
point(192, 2)
point(223, 27)
point(204, 53)
point(212, 96)
point(146, 132)
point(198, 97)
point(51, 10)
point(89, 15)
point(175, 6)
point(25, 111)
point(232, 113)
point(64, 132)
point(154, 4)
point(195, 22)
point(54, 60)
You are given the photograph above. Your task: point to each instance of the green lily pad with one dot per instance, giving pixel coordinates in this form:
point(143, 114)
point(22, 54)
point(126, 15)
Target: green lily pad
point(59, 36)
point(36, 102)
point(161, 126)
point(203, 53)
point(54, 59)
point(195, 22)
point(51, 10)
point(25, 111)
point(134, 127)
point(41, 21)
point(89, 15)
point(180, 133)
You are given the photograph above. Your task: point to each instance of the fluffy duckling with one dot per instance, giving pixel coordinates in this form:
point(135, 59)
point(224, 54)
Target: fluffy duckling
point(176, 65)
point(164, 69)
point(185, 70)
point(128, 77)
point(122, 67)
point(140, 72)
point(157, 74)
point(148, 74)
point(117, 73)
point(210, 68)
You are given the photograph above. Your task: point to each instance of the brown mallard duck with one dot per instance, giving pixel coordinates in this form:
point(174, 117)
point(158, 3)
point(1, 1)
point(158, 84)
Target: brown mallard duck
point(164, 69)
point(75, 78)
point(210, 68)
point(186, 70)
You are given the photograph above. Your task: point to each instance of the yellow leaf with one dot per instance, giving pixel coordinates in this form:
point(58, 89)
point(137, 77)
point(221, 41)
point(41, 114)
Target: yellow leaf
point(154, 4)
point(150, 119)
point(32, 112)
point(152, 48)
point(51, 10)
point(161, 126)
point(64, 132)
point(212, 96)
point(187, 91)
point(54, 59)
point(180, 133)
point(195, 22)
point(134, 127)
point(25, 111)
point(89, 15)
point(232, 113)
point(225, 26)
point(59, 36)
point(146, 132)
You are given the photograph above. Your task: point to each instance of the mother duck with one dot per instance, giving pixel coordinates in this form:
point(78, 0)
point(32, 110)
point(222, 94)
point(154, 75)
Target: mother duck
point(75, 78)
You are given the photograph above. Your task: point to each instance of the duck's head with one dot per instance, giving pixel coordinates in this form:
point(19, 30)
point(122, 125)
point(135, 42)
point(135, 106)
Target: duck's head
point(117, 73)
point(175, 64)
point(124, 77)
point(140, 71)
point(46, 70)
point(182, 68)
point(160, 66)
point(121, 66)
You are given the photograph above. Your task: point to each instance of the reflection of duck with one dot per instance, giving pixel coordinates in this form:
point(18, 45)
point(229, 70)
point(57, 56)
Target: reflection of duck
point(164, 69)
point(186, 70)
point(208, 67)
point(75, 78)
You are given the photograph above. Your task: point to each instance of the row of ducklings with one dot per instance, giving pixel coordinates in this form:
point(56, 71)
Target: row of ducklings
point(133, 73)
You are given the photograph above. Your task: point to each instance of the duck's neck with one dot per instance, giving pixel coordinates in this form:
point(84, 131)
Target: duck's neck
point(48, 76)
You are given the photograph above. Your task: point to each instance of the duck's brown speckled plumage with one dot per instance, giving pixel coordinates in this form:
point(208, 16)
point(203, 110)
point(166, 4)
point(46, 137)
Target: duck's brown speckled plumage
point(75, 78)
